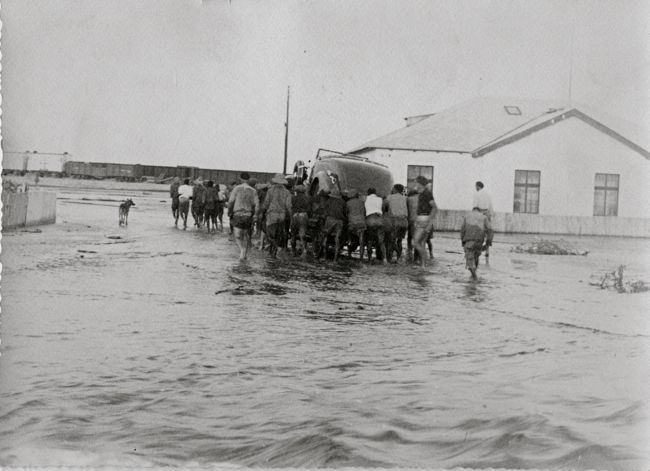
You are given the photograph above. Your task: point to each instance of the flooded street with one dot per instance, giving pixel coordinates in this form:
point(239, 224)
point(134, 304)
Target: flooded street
point(161, 348)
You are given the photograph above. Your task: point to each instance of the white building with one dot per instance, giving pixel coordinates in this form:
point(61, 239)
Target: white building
point(553, 169)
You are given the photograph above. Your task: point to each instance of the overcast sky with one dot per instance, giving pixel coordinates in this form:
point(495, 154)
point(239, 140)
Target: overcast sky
point(190, 82)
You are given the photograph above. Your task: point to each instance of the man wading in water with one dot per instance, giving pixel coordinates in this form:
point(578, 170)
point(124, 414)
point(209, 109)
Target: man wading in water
point(173, 193)
point(476, 229)
point(277, 209)
point(425, 212)
point(244, 206)
point(481, 200)
point(184, 197)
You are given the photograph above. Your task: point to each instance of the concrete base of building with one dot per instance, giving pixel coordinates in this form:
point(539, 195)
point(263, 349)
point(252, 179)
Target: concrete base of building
point(31, 208)
point(513, 223)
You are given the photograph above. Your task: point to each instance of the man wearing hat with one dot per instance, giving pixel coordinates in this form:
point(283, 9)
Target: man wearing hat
point(300, 207)
point(243, 204)
point(277, 209)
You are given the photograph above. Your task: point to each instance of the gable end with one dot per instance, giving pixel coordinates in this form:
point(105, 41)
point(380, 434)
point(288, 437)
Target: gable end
point(481, 151)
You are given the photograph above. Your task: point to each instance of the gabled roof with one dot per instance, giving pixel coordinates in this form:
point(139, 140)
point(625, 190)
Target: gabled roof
point(482, 125)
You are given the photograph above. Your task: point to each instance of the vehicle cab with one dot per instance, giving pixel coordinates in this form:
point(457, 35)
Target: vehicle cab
point(333, 170)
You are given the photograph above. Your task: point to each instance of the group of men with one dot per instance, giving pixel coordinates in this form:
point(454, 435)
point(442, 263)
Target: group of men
point(333, 219)
point(282, 216)
point(207, 203)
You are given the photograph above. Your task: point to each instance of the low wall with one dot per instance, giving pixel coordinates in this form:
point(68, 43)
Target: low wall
point(31, 208)
point(448, 220)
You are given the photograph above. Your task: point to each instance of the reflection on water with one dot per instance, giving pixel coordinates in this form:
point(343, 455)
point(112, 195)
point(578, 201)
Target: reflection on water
point(167, 350)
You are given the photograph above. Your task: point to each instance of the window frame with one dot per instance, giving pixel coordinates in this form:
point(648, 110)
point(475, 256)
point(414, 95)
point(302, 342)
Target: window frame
point(606, 188)
point(411, 181)
point(526, 185)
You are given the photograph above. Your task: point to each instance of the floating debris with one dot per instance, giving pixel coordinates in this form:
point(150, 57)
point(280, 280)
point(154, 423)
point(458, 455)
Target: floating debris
point(86, 251)
point(113, 237)
point(549, 247)
point(614, 280)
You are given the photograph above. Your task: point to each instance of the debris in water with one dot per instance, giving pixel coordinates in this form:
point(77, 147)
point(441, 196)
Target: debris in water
point(614, 280)
point(113, 237)
point(549, 247)
point(32, 231)
point(86, 251)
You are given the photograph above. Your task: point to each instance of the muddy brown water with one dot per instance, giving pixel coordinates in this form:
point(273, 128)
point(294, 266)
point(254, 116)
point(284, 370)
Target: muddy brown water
point(149, 345)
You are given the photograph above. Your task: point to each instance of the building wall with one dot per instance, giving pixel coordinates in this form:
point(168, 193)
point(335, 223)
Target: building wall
point(452, 220)
point(453, 174)
point(568, 155)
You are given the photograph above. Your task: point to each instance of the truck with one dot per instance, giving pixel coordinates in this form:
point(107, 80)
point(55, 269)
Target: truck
point(333, 170)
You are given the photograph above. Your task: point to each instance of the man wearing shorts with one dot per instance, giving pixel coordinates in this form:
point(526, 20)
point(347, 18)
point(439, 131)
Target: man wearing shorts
point(197, 202)
point(425, 211)
point(356, 212)
point(300, 207)
point(184, 196)
point(334, 221)
point(276, 209)
point(210, 205)
point(173, 193)
point(244, 206)
point(481, 200)
point(475, 231)
point(397, 214)
point(375, 224)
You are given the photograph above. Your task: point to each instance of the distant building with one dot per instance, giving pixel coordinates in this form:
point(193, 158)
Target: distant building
point(549, 168)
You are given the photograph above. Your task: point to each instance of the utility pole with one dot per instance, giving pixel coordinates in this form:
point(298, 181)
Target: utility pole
point(571, 69)
point(286, 134)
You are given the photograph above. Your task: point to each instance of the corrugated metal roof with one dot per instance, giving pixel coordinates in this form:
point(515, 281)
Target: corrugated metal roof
point(480, 125)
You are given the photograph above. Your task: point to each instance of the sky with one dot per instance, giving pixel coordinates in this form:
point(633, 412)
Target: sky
point(204, 83)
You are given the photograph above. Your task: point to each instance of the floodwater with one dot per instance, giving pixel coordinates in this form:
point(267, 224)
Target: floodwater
point(161, 348)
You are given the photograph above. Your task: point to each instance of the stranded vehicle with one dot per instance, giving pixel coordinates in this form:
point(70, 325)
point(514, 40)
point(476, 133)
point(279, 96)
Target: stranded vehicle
point(336, 170)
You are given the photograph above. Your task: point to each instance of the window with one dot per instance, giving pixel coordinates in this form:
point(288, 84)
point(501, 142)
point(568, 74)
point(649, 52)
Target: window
point(606, 194)
point(414, 171)
point(526, 191)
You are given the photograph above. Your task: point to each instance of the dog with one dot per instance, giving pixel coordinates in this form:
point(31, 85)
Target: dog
point(124, 212)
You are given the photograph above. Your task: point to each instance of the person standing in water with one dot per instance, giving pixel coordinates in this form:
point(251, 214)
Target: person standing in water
point(197, 202)
point(277, 210)
point(375, 225)
point(356, 215)
point(397, 209)
point(425, 211)
point(244, 206)
point(300, 207)
point(173, 193)
point(184, 197)
point(474, 233)
point(481, 200)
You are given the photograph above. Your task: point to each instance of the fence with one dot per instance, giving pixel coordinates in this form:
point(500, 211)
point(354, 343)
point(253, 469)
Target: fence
point(28, 209)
